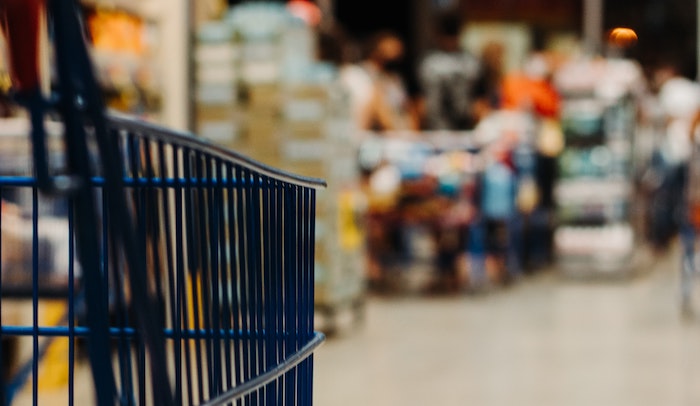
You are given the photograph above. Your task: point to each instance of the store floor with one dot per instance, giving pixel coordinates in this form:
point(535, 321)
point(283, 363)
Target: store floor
point(547, 341)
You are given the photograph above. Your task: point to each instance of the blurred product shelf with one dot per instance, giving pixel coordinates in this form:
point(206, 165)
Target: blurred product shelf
point(595, 232)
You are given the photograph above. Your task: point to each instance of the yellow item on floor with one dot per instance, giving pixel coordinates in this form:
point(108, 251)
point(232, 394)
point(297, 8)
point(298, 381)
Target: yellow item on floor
point(53, 369)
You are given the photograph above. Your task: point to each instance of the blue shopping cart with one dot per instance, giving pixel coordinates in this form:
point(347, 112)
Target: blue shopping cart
point(189, 270)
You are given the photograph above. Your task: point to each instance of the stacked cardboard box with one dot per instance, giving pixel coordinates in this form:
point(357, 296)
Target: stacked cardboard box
point(260, 109)
point(216, 85)
point(287, 112)
point(317, 141)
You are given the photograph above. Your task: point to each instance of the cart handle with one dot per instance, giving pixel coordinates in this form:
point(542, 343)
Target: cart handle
point(20, 21)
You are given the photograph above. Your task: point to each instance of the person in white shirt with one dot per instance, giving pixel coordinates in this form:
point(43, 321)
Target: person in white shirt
point(379, 100)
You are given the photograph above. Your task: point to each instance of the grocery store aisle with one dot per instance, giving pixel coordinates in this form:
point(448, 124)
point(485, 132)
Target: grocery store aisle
point(544, 342)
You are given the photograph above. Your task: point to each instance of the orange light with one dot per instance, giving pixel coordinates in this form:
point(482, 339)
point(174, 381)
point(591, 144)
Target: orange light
point(622, 37)
point(305, 10)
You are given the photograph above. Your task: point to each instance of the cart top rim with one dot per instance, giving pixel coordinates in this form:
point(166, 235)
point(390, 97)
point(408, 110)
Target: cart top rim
point(185, 139)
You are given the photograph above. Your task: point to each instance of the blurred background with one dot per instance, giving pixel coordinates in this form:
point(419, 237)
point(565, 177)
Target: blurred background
point(513, 186)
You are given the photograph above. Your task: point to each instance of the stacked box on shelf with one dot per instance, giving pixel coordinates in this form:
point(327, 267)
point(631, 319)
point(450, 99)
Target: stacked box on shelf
point(287, 117)
point(317, 142)
point(260, 109)
point(259, 30)
point(306, 142)
point(216, 85)
point(316, 134)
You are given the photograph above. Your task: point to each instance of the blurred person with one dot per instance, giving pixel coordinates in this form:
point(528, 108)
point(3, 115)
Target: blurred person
point(496, 244)
point(448, 76)
point(531, 91)
point(379, 100)
point(488, 89)
point(679, 100)
point(690, 224)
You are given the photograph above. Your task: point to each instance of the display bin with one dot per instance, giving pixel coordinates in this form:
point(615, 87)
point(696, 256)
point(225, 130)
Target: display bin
point(427, 227)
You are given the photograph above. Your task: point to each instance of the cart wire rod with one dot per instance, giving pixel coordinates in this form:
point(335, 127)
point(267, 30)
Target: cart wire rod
point(187, 140)
point(131, 332)
point(270, 376)
point(28, 368)
point(171, 183)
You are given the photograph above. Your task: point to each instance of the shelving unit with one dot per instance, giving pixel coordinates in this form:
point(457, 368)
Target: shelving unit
point(594, 194)
point(260, 90)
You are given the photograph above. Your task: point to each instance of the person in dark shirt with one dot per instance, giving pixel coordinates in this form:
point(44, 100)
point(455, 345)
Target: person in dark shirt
point(448, 77)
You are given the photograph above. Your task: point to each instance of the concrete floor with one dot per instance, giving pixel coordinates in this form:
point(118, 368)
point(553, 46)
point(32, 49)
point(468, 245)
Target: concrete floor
point(546, 341)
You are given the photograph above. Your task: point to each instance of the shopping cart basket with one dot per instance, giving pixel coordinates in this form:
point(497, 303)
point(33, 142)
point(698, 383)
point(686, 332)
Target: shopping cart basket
point(217, 303)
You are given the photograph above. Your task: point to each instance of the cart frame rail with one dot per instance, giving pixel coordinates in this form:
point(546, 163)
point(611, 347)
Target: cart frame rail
point(229, 256)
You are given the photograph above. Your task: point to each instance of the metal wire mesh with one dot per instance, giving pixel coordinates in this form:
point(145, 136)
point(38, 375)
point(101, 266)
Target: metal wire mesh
point(229, 252)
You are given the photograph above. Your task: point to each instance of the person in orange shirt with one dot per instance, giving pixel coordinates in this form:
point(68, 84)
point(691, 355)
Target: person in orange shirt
point(531, 90)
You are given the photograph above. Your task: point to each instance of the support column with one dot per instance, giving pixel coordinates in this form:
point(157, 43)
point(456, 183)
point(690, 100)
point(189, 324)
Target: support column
point(174, 48)
point(593, 26)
